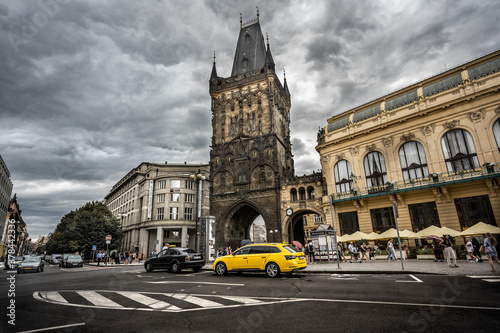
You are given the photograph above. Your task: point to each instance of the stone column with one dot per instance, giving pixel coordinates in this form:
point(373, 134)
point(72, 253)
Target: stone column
point(159, 238)
point(183, 236)
point(143, 242)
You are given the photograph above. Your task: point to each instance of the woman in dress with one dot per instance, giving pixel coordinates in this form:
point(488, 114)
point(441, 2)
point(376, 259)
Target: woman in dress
point(490, 249)
point(364, 252)
point(449, 253)
point(470, 249)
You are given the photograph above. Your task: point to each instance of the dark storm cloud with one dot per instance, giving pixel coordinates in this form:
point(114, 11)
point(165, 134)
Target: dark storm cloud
point(90, 89)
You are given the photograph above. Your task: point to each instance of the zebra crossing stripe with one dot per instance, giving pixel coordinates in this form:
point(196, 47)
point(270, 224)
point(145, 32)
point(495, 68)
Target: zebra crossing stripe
point(491, 280)
point(98, 299)
point(204, 303)
point(55, 296)
point(149, 301)
point(244, 300)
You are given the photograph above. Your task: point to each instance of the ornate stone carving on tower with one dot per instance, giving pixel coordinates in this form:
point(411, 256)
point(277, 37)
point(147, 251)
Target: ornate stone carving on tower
point(251, 151)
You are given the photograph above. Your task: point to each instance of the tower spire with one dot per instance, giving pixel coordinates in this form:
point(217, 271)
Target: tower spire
point(241, 21)
point(257, 13)
point(269, 56)
point(214, 76)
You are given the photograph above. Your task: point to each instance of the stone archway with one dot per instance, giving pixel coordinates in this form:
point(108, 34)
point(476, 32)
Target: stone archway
point(298, 232)
point(238, 224)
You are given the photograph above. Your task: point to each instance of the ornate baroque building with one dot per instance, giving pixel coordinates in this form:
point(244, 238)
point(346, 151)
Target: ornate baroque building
point(251, 155)
point(159, 203)
point(433, 148)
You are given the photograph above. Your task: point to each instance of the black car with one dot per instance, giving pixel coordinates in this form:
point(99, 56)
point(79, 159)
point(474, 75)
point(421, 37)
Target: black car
point(176, 259)
point(73, 260)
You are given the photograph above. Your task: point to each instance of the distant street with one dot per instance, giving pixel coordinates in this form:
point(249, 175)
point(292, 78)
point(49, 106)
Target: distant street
point(127, 299)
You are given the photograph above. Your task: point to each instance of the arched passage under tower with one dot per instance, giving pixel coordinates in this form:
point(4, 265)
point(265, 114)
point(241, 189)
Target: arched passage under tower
point(302, 222)
point(240, 225)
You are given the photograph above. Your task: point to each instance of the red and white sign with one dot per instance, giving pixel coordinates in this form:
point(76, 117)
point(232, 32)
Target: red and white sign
point(108, 237)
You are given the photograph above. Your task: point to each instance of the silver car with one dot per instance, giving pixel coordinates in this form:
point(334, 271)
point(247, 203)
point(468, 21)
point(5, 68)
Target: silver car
point(31, 264)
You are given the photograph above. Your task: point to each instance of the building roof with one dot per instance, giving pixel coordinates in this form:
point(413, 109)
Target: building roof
point(250, 50)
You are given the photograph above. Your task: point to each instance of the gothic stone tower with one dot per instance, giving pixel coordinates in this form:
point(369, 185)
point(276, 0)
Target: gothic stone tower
point(251, 152)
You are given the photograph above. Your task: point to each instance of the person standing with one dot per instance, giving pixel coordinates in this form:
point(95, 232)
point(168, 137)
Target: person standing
point(340, 253)
point(449, 253)
point(310, 248)
point(390, 249)
point(99, 258)
point(470, 249)
point(364, 252)
point(490, 249)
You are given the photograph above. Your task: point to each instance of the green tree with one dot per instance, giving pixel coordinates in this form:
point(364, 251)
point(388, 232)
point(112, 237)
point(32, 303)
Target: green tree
point(87, 226)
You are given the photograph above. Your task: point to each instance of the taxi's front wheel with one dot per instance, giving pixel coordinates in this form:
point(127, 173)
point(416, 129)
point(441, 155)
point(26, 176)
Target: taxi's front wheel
point(272, 270)
point(220, 268)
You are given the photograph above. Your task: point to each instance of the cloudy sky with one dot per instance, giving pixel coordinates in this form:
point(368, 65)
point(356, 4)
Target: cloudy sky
point(90, 89)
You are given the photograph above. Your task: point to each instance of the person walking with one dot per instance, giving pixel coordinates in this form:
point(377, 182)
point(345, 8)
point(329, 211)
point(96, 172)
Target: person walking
point(364, 252)
point(449, 253)
point(310, 249)
point(340, 253)
point(477, 253)
point(390, 249)
point(490, 249)
point(470, 249)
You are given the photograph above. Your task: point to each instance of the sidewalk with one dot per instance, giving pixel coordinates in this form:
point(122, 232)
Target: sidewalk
point(411, 266)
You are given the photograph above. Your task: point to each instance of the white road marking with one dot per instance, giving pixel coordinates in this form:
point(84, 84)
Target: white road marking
point(194, 282)
point(491, 280)
point(415, 278)
point(205, 303)
point(244, 300)
point(55, 296)
point(53, 328)
point(98, 299)
point(481, 276)
point(148, 301)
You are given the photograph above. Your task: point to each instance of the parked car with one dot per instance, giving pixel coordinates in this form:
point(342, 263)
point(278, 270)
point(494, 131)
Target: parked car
point(175, 260)
point(63, 259)
point(270, 258)
point(73, 260)
point(34, 264)
point(55, 259)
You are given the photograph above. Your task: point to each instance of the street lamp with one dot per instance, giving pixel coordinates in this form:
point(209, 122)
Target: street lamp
point(198, 177)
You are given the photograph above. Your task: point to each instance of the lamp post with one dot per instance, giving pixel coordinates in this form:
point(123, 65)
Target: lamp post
point(198, 177)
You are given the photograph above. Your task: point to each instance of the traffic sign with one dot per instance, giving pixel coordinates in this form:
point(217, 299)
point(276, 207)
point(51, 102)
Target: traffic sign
point(94, 247)
point(108, 237)
point(108, 242)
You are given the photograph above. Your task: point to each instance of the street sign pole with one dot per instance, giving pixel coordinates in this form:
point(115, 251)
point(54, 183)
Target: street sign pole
point(396, 215)
point(334, 235)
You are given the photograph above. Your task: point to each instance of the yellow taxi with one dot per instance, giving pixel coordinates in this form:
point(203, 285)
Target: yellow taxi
point(273, 258)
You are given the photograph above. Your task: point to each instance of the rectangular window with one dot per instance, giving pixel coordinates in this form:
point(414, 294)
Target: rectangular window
point(318, 219)
point(189, 184)
point(174, 213)
point(423, 215)
point(161, 197)
point(162, 184)
point(175, 197)
point(348, 223)
point(242, 173)
point(189, 197)
point(473, 210)
point(160, 213)
point(188, 213)
point(382, 219)
point(175, 184)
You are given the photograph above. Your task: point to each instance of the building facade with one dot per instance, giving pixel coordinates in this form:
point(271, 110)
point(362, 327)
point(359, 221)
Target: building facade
point(16, 235)
point(5, 193)
point(251, 151)
point(432, 148)
point(160, 203)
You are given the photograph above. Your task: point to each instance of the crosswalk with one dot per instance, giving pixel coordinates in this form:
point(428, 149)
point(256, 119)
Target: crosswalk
point(486, 278)
point(150, 301)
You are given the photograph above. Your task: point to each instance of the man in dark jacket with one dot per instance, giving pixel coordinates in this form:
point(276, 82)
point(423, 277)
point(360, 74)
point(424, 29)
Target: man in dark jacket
point(475, 244)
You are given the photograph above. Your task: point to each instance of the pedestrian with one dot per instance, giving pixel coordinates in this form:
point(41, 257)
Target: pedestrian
point(340, 253)
point(153, 253)
point(449, 253)
point(126, 257)
point(477, 253)
point(364, 252)
point(390, 249)
point(310, 248)
point(166, 246)
point(490, 249)
point(470, 249)
point(353, 252)
point(438, 251)
point(99, 257)
point(140, 257)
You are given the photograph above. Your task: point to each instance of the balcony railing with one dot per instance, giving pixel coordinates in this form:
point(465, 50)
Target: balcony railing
point(433, 180)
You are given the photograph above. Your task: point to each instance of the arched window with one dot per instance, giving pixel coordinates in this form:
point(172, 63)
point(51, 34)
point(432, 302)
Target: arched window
point(496, 132)
point(413, 161)
point(342, 171)
point(310, 193)
point(302, 194)
point(375, 171)
point(293, 194)
point(459, 151)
